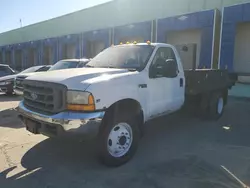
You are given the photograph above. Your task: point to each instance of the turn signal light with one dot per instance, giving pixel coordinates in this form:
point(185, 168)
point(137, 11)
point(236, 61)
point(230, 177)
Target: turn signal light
point(81, 107)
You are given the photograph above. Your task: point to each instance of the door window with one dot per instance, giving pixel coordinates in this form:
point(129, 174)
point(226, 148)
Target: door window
point(162, 55)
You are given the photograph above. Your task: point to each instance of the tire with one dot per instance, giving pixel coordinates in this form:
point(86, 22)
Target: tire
point(203, 109)
point(216, 106)
point(118, 133)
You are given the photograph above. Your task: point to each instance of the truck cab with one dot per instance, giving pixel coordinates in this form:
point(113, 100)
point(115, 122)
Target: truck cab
point(157, 91)
point(116, 93)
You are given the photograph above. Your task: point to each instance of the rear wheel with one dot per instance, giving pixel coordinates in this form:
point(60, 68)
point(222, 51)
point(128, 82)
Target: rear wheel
point(118, 140)
point(216, 106)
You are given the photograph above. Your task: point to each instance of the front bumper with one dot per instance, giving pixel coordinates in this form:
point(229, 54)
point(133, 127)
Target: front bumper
point(18, 91)
point(63, 122)
point(6, 88)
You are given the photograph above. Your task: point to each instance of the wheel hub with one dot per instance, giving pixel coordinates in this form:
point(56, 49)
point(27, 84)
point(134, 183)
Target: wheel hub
point(120, 140)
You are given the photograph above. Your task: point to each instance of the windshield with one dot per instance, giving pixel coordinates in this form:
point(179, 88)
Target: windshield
point(31, 69)
point(64, 65)
point(82, 64)
point(5, 70)
point(128, 57)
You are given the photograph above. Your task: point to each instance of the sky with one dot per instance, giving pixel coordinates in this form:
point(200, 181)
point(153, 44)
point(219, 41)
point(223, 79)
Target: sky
point(33, 11)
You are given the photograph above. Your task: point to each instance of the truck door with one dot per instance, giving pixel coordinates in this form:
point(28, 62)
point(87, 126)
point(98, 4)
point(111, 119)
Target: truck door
point(165, 94)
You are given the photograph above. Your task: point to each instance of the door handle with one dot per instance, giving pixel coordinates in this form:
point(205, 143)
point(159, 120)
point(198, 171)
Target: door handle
point(142, 86)
point(181, 82)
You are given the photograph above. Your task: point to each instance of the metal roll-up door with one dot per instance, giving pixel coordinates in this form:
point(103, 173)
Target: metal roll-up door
point(190, 39)
point(241, 51)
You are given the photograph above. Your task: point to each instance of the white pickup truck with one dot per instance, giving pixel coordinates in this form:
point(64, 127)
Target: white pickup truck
point(121, 88)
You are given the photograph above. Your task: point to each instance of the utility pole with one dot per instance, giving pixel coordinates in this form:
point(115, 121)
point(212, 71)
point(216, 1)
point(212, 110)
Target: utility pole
point(21, 24)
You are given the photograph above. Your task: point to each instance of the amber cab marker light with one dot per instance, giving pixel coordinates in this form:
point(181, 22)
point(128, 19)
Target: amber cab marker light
point(148, 42)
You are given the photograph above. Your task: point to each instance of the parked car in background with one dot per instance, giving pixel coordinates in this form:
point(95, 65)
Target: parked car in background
point(5, 70)
point(62, 64)
point(6, 78)
point(69, 63)
point(7, 81)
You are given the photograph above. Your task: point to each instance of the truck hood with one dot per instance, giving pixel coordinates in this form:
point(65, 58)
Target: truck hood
point(78, 78)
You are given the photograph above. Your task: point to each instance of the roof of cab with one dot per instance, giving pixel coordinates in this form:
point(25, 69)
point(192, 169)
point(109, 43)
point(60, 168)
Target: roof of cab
point(144, 44)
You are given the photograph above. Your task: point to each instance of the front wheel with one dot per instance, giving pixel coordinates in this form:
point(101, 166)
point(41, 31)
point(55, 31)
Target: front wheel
point(118, 141)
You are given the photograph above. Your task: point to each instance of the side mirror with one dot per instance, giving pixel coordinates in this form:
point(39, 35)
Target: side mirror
point(171, 68)
point(157, 69)
point(164, 68)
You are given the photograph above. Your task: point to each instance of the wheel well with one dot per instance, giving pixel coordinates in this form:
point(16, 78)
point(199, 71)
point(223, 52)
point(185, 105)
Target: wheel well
point(204, 98)
point(128, 107)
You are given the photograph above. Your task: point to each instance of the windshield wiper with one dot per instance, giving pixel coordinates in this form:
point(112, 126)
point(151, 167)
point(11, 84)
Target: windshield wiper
point(129, 69)
point(109, 67)
point(89, 66)
point(112, 67)
point(132, 69)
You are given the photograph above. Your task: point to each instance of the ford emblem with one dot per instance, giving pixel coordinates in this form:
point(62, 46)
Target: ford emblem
point(33, 96)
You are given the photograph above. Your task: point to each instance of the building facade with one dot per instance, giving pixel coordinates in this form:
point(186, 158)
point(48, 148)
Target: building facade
point(215, 32)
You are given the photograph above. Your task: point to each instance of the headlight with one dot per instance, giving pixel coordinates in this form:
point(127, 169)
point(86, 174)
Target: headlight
point(80, 101)
point(5, 83)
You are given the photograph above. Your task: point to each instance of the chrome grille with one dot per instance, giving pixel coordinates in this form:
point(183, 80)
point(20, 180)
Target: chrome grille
point(19, 81)
point(44, 97)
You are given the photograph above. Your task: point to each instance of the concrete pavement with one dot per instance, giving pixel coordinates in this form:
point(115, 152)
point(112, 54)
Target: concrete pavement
point(176, 151)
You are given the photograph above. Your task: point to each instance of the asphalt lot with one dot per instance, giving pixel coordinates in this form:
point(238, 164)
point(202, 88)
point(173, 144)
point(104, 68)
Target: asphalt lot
point(176, 151)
